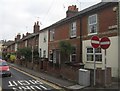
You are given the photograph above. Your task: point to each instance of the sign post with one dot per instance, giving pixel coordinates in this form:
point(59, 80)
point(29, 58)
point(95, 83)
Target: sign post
point(95, 44)
point(104, 44)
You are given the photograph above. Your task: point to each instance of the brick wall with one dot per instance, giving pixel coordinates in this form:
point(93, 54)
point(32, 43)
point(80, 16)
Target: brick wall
point(69, 73)
point(106, 17)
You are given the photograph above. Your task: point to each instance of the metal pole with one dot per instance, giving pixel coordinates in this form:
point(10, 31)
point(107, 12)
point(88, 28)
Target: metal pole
point(94, 69)
point(118, 39)
point(105, 68)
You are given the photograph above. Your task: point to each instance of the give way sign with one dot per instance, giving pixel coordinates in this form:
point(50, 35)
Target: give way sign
point(105, 42)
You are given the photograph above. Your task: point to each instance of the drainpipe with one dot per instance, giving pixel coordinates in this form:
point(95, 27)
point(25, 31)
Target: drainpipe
point(81, 39)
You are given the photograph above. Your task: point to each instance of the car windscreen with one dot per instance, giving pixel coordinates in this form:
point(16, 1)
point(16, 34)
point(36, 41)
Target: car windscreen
point(3, 64)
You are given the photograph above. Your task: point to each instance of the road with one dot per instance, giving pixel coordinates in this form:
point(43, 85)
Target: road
point(21, 81)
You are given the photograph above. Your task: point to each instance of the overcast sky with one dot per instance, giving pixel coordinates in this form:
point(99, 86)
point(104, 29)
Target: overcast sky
point(18, 16)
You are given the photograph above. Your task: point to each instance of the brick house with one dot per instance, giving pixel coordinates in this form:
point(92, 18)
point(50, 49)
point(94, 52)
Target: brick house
point(101, 20)
point(67, 30)
point(30, 39)
point(78, 28)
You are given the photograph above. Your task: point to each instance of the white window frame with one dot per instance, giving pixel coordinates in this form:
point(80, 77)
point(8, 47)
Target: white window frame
point(52, 34)
point(45, 38)
point(92, 54)
point(44, 54)
point(92, 21)
point(73, 54)
point(73, 29)
point(51, 55)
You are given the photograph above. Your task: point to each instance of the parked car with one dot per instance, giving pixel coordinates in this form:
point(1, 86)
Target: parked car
point(4, 68)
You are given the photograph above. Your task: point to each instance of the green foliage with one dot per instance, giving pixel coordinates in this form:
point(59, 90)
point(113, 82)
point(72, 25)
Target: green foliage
point(25, 53)
point(65, 47)
point(66, 50)
point(4, 54)
point(35, 54)
point(12, 58)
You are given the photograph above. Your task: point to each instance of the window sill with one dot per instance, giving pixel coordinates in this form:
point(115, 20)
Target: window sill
point(97, 62)
point(92, 34)
point(71, 37)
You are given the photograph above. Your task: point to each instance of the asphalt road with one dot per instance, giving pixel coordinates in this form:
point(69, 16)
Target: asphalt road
point(22, 82)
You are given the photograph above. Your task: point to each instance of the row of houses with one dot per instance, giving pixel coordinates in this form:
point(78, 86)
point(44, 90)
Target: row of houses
point(77, 28)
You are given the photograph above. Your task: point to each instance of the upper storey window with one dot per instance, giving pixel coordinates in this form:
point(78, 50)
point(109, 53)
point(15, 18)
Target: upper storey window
point(52, 35)
point(92, 24)
point(73, 30)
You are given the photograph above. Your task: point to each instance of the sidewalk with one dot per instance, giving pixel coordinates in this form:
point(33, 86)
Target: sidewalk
point(57, 81)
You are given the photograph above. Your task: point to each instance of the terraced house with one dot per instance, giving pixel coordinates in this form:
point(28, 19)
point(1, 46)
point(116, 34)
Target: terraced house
point(74, 32)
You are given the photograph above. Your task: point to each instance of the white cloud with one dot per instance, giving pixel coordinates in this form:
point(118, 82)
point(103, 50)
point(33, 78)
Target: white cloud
point(16, 15)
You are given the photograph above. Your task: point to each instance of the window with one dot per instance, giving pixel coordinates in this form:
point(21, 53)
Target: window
point(73, 55)
point(51, 56)
point(54, 56)
point(90, 54)
point(73, 30)
point(45, 37)
point(44, 54)
point(92, 24)
point(40, 53)
point(52, 34)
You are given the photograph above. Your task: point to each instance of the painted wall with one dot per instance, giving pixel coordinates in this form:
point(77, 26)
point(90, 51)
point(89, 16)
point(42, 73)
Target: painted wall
point(43, 42)
point(111, 56)
point(16, 46)
point(0, 50)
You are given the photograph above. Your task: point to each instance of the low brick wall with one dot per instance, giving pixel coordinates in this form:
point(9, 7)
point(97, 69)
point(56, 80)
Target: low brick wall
point(52, 70)
point(70, 73)
point(100, 77)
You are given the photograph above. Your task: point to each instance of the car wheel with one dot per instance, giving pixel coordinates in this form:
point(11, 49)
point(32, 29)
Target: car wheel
point(10, 75)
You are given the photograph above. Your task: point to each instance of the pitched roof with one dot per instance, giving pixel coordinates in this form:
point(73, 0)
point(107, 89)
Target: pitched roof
point(83, 12)
point(8, 43)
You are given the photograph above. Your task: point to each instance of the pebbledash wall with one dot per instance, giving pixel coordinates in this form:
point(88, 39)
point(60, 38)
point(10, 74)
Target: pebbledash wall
point(111, 56)
point(43, 44)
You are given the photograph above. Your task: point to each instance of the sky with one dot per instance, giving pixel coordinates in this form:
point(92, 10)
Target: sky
point(19, 16)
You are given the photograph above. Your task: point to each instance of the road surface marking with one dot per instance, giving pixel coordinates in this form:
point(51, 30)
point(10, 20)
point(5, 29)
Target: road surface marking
point(45, 82)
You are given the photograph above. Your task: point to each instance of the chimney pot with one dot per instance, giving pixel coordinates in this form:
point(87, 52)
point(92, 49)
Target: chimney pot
point(72, 10)
point(36, 27)
point(18, 36)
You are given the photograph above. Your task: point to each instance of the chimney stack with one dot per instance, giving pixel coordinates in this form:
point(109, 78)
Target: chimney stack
point(36, 27)
point(27, 34)
point(72, 10)
point(15, 38)
point(23, 36)
point(18, 36)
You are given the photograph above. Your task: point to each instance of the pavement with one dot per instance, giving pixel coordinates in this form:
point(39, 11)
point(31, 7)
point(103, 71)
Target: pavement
point(63, 83)
point(66, 84)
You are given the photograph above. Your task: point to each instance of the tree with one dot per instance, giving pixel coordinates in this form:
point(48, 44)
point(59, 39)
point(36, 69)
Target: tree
point(36, 56)
point(66, 50)
point(12, 58)
point(25, 53)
